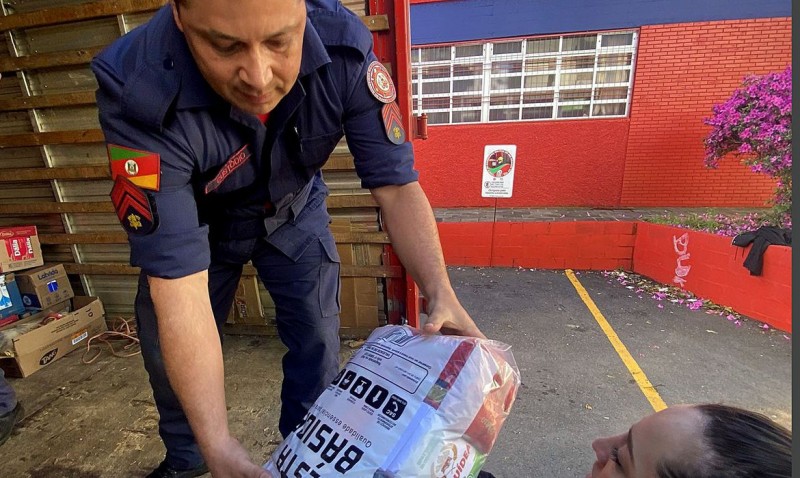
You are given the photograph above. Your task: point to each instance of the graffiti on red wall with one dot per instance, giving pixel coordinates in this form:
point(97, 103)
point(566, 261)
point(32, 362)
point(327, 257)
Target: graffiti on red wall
point(681, 246)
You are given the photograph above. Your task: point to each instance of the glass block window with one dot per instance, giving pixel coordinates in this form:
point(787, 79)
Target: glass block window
point(543, 78)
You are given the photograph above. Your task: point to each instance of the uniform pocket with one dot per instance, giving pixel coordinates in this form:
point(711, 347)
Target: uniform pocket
point(329, 280)
point(315, 151)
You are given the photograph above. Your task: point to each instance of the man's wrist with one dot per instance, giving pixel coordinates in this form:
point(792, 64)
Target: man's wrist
point(442, 293)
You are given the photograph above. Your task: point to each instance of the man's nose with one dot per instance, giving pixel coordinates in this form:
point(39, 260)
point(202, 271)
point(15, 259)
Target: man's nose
point(257, 70)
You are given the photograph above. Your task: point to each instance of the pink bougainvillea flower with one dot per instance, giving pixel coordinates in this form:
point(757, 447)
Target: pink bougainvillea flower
point(755, 124)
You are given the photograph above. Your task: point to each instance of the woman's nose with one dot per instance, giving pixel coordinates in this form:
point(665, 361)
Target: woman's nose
point(602, 449)
point(602, 446)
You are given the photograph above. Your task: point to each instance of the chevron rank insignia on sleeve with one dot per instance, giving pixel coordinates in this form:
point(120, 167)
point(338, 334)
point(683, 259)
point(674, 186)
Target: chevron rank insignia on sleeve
point(135, 208)
point(393, 123)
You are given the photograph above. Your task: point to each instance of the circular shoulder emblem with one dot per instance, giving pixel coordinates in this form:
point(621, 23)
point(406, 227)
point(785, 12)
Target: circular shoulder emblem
point(380, 83)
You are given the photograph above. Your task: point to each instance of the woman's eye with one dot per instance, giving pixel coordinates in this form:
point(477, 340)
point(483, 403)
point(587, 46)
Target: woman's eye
point(615, 455)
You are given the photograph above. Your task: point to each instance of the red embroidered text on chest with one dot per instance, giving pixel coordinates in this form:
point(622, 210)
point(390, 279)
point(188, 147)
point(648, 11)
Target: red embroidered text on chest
point(234, 162)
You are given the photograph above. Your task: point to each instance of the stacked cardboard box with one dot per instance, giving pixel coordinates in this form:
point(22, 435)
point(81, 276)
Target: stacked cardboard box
point(44, 286)
point(19, 249)
point(41, 320)
point(10, 300)
point(246, 307)
point(65, 328)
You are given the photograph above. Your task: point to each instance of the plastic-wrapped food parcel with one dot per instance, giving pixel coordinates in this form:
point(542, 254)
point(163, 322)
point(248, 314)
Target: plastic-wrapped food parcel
point(406, 405)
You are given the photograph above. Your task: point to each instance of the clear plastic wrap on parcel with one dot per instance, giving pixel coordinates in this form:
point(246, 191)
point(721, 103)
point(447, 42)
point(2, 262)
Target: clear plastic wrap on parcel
point(405, 405)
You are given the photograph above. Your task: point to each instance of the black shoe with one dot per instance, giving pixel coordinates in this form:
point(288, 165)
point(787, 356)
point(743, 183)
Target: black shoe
point(8, 421)
point(166, 471)
point(485, 474)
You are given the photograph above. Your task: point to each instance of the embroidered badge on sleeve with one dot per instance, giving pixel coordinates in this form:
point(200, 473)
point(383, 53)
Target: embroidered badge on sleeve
point(393, 123)
point(135, 208)
point(380, 83)
point(142, 168)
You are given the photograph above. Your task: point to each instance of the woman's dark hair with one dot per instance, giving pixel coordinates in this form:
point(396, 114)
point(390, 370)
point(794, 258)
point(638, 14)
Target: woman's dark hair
point(741, 444)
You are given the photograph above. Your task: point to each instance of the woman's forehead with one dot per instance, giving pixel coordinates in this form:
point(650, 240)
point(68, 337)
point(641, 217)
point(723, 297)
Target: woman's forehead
point(669, 434)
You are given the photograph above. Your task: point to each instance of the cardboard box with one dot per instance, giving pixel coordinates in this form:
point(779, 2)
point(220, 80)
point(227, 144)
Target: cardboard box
point(44, 345)
point(247, 303)
point(10, 300)
point(19, 248)
point(44, 286)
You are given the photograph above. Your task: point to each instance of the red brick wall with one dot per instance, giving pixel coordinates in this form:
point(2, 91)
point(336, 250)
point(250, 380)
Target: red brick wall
point(559, 163)
point(588, 245)
point(654, 158)
point(682, 70)
point(716, 272)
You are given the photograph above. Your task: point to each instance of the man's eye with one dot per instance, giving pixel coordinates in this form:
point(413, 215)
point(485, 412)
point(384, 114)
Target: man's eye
point(225, 49)
point(278, 45)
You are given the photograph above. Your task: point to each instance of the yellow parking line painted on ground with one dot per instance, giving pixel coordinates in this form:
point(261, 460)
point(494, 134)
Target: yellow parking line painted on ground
point(645, 386)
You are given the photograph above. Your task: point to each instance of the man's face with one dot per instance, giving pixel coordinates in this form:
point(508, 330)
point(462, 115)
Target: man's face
point(248, 51)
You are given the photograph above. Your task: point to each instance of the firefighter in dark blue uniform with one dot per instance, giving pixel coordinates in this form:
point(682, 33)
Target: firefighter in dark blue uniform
point(218, 117)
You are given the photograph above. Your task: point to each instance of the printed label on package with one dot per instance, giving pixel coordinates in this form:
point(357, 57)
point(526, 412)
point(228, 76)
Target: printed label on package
point(402, 407)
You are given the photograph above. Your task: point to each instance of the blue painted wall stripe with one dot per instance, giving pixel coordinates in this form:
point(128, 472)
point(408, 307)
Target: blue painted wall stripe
point(464, 20)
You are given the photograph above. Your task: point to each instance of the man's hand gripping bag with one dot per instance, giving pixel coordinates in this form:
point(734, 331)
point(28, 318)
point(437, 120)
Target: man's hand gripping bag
point(406, 405)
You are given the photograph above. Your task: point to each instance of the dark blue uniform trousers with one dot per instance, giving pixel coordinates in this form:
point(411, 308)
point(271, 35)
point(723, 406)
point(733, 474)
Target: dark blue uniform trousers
point(306, 296)
point(8, 399)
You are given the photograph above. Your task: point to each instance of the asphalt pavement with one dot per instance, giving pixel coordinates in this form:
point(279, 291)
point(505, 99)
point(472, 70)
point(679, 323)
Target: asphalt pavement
point(97, 420)
point(575, 386)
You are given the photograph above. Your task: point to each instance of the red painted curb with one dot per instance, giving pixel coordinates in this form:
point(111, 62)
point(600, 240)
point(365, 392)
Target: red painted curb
point(705, 264)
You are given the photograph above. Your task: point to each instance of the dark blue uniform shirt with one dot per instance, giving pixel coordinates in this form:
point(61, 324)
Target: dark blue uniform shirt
point(153, 98)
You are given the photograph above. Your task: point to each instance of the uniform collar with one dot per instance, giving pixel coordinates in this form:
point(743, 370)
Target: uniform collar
point(314, 53)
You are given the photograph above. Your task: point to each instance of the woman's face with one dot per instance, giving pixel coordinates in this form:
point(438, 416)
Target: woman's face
point(672, 435)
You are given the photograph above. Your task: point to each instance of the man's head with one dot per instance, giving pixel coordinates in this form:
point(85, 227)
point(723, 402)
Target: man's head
point(249, 51)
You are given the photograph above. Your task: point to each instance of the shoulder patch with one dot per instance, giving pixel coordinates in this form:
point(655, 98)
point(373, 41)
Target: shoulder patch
point(135, 208)
point(142, 168)
point(393, 123)
point(380, 83)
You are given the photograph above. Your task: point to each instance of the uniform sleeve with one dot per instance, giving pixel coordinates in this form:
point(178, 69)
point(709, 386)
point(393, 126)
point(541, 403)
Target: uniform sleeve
point(178, 246)
point(378, 161)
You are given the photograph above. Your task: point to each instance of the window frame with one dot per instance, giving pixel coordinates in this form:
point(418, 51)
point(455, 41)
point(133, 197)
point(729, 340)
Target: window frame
point(490, 78)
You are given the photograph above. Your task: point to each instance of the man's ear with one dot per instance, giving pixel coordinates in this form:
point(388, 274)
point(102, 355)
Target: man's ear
point(176, 15)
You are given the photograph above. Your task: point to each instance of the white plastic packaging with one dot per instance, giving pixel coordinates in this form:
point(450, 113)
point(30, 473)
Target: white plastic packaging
point(405, 405)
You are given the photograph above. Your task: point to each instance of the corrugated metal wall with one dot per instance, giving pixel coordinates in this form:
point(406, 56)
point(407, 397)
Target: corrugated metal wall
point(54, 168)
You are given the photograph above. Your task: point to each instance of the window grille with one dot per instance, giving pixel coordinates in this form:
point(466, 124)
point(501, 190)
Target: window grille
point(540, 78)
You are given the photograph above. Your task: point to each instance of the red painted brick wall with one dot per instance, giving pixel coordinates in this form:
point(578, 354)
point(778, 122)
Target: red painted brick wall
point(589, 245)
point(559, 163)
point(654, 158)
point(682, 70)
point(716, 272)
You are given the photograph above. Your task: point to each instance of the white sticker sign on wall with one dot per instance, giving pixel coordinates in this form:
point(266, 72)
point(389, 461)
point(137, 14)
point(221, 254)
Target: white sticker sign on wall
point(499, 162)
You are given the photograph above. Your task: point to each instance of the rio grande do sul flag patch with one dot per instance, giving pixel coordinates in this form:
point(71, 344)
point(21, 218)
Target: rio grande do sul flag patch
point(142, 168)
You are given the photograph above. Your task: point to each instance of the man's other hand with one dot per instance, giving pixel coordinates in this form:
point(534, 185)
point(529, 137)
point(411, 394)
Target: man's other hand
point(230, 460)
point(447, 316)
